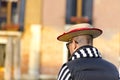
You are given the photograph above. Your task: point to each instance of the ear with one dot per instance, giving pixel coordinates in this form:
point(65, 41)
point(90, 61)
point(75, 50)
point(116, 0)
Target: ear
point(75, 45)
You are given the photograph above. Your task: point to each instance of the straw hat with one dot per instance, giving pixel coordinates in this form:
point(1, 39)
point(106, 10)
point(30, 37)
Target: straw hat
point(79, 29)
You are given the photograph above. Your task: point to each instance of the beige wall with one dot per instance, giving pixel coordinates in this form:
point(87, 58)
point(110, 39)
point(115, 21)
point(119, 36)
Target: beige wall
point(106, 16)
point(33, 15)
point(33, 12)
point(51, 17)
point(53, 25)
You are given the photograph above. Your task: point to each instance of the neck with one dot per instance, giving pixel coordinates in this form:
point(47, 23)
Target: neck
point(83, 44)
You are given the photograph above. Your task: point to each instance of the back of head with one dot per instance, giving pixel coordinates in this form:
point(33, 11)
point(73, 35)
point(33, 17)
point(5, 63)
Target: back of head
point(84, 40)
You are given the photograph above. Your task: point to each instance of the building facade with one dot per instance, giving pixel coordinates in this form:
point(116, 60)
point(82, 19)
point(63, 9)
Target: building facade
point(41, 55)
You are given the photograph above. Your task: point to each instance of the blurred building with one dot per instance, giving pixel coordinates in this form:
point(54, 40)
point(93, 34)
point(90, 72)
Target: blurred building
point(29, 29)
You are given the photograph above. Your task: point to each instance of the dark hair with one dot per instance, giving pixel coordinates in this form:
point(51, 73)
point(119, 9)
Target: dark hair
point(79, 40)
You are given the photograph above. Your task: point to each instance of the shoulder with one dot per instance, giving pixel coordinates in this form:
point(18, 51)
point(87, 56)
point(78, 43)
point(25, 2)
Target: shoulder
point(64, 73)
point(64, 68)
point(108, 63)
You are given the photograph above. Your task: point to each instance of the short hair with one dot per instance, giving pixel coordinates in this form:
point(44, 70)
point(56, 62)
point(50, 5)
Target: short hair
point(88, 39)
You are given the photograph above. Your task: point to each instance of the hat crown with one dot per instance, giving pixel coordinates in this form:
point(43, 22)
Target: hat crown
point(79, 26)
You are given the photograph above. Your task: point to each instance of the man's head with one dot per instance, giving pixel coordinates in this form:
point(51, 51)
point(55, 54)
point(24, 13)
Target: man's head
point(79, 35)
point(79, 41)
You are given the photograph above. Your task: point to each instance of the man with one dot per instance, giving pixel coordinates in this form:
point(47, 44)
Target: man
point(85, 62)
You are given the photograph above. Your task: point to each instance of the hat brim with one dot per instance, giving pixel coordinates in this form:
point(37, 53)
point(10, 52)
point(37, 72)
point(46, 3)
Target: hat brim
point(94, 32)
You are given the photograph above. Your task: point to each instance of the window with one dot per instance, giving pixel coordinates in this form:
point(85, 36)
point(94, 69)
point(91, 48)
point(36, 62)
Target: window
point(12, 14)
point(78, 11)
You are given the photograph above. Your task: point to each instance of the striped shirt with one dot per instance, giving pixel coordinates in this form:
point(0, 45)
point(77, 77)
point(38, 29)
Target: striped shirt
point(83, 52)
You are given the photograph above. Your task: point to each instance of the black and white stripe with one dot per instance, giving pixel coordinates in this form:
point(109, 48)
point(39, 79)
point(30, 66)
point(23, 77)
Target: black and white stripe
point(64, 73)
point(87, 52)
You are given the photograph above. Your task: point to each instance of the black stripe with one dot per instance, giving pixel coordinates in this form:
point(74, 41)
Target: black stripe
point(86, 53)
point(75, 57)
point(92, 52)
point(66, 75)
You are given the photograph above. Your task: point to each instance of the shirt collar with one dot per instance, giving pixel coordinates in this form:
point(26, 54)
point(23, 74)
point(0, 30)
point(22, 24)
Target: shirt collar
point(85, 52)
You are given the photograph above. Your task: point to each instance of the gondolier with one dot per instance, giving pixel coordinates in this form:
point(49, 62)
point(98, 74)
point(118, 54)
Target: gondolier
point(86, 62)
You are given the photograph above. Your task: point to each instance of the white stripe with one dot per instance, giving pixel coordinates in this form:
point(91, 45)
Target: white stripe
point(65, 74)
point(62, 71)
point(77, 54)
point(89, 52)
point(68, 76)
point(73, 58)
point(82, 52)
point(95, 52)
